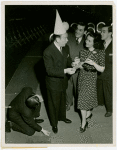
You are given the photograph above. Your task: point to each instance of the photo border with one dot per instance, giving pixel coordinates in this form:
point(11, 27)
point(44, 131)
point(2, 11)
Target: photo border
point(4, 145)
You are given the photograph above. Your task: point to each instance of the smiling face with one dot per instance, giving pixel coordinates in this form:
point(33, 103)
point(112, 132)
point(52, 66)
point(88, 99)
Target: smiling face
point(89, 41)
point(80, 31)
point(105, 34)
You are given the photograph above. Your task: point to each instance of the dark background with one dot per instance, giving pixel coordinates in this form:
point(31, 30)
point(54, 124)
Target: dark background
point(25, 24)
point(42, 14)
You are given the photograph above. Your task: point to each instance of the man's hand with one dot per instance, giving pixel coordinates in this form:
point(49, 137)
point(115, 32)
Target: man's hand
point(76, 59)
point(70, 70)
point(45, 132)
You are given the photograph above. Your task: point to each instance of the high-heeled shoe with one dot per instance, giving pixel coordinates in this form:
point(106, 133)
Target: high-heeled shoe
point(84, 129)
point(90, 116)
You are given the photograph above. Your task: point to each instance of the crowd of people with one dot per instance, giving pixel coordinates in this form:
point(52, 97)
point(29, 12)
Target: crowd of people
point(78, 68)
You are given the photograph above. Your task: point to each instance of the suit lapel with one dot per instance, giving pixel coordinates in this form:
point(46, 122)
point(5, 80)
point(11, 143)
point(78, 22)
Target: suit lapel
point(109, 47)
point(56, 51)
point(82, 41)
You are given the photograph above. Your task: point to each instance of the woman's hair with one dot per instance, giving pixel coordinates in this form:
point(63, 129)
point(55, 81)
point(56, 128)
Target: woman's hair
point(97, 39)
point(31, 102)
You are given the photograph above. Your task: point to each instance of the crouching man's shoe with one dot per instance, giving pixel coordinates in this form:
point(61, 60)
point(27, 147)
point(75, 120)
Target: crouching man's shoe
point(108, 114)
point(39, 120)
point(7, 126)
point(67, 121)
point(55, 129)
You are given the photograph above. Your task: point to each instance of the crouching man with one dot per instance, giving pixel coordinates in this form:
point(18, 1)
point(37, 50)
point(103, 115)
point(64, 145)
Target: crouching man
point(23, 111)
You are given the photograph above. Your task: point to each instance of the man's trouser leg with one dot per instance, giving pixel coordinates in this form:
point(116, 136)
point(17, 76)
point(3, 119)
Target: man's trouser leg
point(71, 89)
point(100, 92)
point(62, 108)
point(75, 83)
point(55, 100)
point(107, 85)
point(69, 92)
point(104, 93)
point(18, 124)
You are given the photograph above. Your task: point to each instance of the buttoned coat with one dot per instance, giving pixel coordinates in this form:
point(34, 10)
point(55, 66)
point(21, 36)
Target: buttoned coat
point(55, 63)
point(107, 74)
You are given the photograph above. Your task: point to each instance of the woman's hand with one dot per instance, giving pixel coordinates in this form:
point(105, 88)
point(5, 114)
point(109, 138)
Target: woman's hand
point(90, 62)
point(69, 71)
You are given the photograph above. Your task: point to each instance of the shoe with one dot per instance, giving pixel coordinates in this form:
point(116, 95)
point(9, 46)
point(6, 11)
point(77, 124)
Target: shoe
point(39, 120)
point(67, 121)
point(108, 114)
point(67, 107)
point(55, 129)
point(90, 116)
point(7, 127)
point(84, 129)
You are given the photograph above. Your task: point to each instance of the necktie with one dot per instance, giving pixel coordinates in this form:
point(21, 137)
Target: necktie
point(104, 45)
point(61, 50)
point(77, 42)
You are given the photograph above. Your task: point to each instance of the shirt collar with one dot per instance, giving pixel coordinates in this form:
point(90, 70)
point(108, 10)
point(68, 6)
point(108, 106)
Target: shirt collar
point(107, 42)
point(58, 47)
point(79, 39)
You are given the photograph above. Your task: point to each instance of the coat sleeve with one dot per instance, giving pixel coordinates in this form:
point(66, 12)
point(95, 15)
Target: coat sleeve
point(31, 122)
point(51, 69)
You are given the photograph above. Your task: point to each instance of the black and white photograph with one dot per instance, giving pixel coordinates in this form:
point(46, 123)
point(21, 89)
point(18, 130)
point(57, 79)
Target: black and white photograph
point(59, 74)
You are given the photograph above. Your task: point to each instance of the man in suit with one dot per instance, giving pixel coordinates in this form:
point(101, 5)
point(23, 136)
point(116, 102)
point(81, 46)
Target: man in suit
point(57, 59)
point(104, 82)
point(23, 111)
point(76, 44)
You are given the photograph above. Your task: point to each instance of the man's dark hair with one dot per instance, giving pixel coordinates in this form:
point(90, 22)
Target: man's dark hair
point(83, 24)
point(31, 104)
point(109, 27)
point(55, 36)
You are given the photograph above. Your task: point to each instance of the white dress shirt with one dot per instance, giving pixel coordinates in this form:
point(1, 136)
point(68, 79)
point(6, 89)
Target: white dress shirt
point(79, 39)
point(58, 47)
point(106, 43)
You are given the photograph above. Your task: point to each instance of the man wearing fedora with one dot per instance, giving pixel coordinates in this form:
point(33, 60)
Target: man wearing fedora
point(58, 64)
